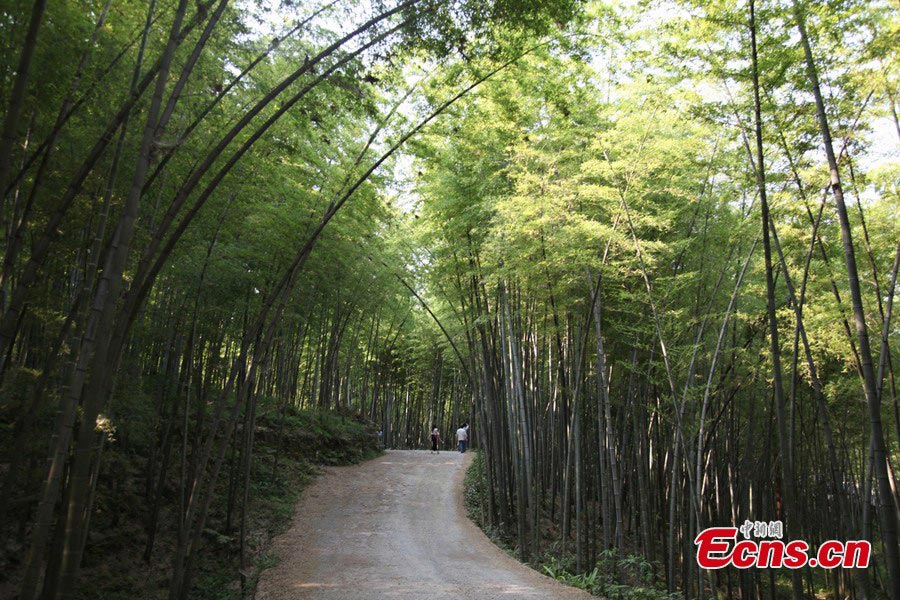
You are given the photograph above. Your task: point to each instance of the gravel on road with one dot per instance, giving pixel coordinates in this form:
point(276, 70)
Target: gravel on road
point(396, 527)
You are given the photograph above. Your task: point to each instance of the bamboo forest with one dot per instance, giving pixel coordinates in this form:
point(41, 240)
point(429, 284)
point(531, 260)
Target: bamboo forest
point(640, 255)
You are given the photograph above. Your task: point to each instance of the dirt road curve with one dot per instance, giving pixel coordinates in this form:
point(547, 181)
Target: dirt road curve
point(395, 527)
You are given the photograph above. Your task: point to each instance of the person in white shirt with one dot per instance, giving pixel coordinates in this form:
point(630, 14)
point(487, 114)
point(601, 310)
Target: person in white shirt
point(462, 437)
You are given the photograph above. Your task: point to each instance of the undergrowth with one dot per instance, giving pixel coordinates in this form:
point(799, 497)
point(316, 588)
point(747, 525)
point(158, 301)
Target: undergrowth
point(307, 441)
point(113, 566)
point(613, 576)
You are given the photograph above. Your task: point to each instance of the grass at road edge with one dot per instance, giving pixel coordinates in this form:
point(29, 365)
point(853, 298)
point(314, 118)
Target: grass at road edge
point(638, 579)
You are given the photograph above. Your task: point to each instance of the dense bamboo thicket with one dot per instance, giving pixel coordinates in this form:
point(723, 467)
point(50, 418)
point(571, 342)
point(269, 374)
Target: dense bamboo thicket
point(671, 262)
point(649, 252)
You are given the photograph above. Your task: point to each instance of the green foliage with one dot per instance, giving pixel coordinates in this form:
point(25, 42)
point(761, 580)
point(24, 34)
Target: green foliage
point(524, 189)
point(308, 439)
point(610, 153)
point(614, 577)
point(474, 489)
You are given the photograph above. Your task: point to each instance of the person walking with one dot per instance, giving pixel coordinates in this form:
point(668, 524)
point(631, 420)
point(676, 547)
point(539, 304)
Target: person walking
point(462, 437)
point(435, 440)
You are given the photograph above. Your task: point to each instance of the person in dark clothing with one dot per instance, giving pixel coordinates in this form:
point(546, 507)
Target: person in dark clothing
point(435, 439)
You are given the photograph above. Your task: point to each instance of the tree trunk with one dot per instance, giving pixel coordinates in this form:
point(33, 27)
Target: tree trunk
point(885, 495)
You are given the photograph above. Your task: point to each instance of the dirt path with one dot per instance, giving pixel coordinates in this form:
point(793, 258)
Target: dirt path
point(395, 527)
